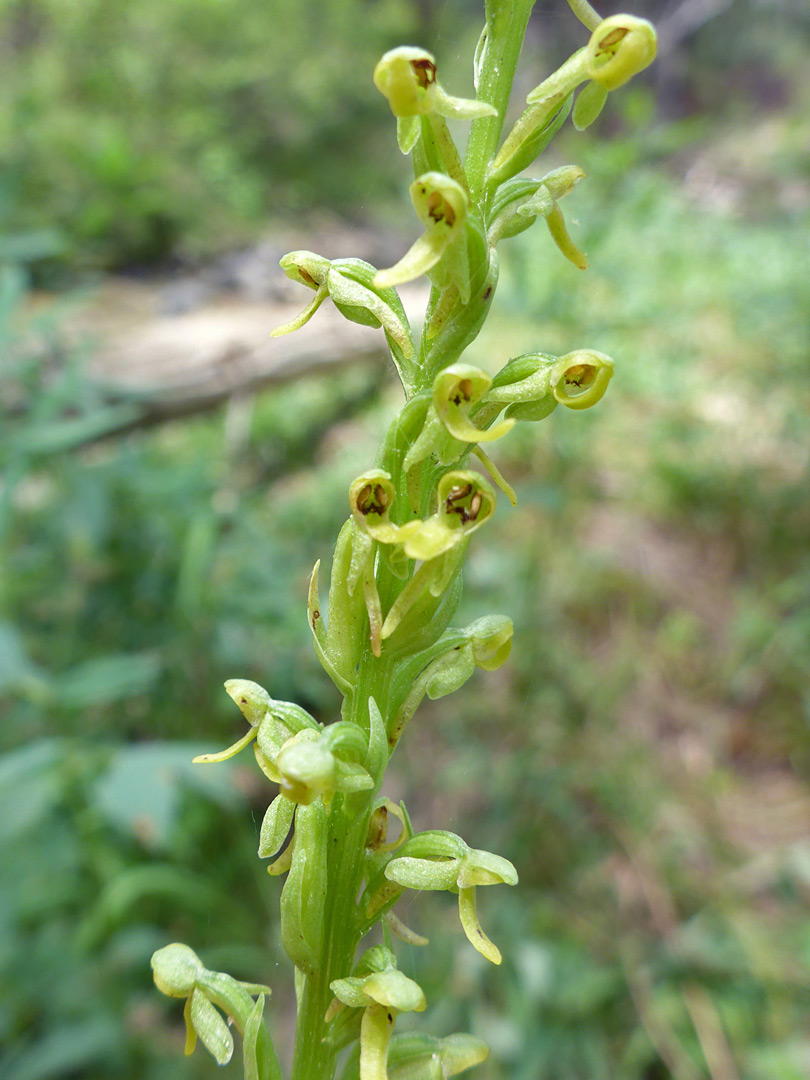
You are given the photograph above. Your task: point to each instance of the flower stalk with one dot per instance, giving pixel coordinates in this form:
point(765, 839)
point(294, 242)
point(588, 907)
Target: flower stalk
point(385, 636)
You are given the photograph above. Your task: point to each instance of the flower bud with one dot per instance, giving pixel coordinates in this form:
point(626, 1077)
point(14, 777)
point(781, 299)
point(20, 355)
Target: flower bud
point(619, 48)
point(176, 969)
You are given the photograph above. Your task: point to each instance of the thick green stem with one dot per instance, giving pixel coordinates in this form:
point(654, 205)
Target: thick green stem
point(312, 1059)
point(506, 27)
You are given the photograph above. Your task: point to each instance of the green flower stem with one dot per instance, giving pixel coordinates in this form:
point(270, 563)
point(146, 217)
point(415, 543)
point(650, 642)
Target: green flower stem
point(585, 13)
point(506, 28)
point(312, 1059)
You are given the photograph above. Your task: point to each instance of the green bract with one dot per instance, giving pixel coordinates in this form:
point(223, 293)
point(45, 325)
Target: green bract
point(384, 633)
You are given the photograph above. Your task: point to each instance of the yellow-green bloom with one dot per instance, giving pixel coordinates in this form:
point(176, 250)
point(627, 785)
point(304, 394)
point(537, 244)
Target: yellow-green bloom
point(619, 48)
point(441, 205)
point(456, 390)
point(406, 77)
point(179, 973)
point(381, 995)
point(465, 501)
point(371, 498)
point(441, 860)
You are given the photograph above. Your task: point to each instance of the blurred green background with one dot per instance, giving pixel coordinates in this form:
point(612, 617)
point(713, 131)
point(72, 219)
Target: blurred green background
point(643, 758)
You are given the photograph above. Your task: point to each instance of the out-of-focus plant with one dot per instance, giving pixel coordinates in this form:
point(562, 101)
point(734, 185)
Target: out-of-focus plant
point(385, 637)
point(169, 136)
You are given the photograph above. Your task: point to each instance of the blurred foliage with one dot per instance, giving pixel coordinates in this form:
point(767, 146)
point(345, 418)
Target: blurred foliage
point(643, 758)
point(145, 129)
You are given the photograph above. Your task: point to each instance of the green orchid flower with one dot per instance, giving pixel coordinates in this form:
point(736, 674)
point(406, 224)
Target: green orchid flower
point(442, 861)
